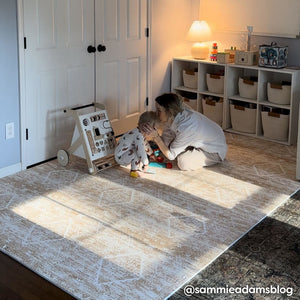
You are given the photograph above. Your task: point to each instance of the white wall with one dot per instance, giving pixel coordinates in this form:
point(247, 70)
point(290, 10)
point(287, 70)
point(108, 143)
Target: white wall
point(170, 23)
point(268, 18)
point(238, 39)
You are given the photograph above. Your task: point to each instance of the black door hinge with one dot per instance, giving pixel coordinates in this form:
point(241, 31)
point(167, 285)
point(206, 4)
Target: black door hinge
point(26, 134)
point(25, 43)
point(147, 101)
point(147, 32)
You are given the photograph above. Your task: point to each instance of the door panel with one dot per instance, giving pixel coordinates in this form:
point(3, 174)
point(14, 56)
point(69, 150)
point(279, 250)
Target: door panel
point(59, 72)
point(110, 92)
point(121, 69)
point(133, 84)
point(45, 24)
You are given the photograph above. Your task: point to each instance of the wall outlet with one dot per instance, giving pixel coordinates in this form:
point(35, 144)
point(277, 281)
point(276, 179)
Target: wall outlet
point(9, 131)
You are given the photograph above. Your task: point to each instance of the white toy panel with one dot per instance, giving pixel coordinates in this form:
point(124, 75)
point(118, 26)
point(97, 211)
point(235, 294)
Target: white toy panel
point(98, 134)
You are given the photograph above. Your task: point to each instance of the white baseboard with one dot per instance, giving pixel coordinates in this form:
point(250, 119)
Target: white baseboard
point(10, 170)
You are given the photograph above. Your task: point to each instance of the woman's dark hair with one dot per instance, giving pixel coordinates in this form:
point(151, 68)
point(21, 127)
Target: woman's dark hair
point(171, 103)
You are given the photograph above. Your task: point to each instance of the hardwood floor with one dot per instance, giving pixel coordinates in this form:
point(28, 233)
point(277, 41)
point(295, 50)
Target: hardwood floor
point(18, 282)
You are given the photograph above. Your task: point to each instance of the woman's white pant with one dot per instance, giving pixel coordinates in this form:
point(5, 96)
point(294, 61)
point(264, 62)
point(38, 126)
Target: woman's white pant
point(197, 158)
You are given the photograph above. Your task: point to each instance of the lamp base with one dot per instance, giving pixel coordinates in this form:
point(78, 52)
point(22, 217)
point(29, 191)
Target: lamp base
point(200, 51)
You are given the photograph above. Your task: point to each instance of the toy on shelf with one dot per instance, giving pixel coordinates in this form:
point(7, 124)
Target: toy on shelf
point(231, 52)
point(93, 138)
point(214, 52)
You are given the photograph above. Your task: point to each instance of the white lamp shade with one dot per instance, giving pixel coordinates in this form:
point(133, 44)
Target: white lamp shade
point(199, 32)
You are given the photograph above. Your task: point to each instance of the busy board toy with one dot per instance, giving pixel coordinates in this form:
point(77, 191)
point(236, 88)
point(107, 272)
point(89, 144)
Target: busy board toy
point(93, 138)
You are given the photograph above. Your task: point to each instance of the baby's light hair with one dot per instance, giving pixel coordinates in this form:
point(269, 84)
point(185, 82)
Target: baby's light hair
point(148, 117)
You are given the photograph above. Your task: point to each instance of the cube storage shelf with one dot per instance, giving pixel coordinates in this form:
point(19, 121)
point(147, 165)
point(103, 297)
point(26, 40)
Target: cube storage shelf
point(231, 75)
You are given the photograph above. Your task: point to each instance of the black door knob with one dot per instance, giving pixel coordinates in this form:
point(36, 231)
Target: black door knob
point(101, 48)
point(91, 49)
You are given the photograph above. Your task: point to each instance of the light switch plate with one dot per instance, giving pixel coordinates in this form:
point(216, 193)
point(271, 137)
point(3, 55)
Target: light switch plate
point(9, 130)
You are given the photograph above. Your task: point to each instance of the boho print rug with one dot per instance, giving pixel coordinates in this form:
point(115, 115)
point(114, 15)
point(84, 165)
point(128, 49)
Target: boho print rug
point(261, 265)
point(111, 236)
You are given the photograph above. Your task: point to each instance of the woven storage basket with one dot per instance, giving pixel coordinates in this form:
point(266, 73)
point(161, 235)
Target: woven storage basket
point(190, 79)
point(191, 103)
point(243, 119)
point(275, 125)
point(215, 83)
point(213, 110)
point(278, 93)
point(247, 88)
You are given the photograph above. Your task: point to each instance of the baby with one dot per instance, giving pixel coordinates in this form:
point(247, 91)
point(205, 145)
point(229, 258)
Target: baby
point(133, 147)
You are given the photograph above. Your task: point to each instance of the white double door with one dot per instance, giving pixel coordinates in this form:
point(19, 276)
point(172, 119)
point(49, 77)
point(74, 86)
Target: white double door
point(60, 72)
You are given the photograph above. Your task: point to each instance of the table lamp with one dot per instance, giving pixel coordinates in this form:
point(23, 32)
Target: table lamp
point(199, 32)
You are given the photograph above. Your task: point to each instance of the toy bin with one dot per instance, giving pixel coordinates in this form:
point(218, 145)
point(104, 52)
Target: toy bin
point(223, 57)
point(190, 102)
point(248, 88)
point(188, 98)
point(231, 55)
point(190, 79)
point(213, 109)
point(215, 83)
point(279, 93)
point(275, 125)
point(243, 117)
point(273, 56)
